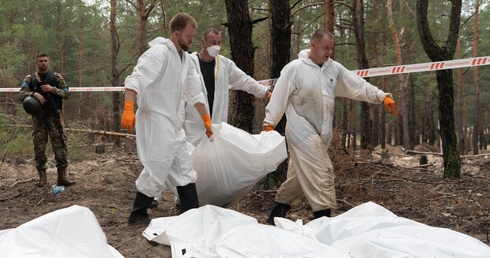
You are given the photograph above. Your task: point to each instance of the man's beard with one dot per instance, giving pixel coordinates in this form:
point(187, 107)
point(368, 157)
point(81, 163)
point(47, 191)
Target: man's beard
point(184, 46)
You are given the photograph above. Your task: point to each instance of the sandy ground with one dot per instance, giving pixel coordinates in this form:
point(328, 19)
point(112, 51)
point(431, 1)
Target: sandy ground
point(105, 185)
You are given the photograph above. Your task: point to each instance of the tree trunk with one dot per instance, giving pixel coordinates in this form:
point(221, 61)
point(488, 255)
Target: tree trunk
point(412, 125)
point(280, 35)
point(386, 131)
point(362, 63)
point(379, 114)
point(460, 105)
point(143, 42)
point(402, 82)
point(330, 18)
point(345, 123)
point(61, 39)
point(116, 96)
point(349, 105)
point(477, 126)
point(346, 105)
point(242, 52)
point(80, 57)
point(374, 117)
point(384, 136)
point(452, 160)
point(280, 13)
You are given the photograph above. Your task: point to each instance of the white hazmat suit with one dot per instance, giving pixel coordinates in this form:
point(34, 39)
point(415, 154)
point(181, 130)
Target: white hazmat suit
point(163, 81)
point(226, 74)
point(306, 93)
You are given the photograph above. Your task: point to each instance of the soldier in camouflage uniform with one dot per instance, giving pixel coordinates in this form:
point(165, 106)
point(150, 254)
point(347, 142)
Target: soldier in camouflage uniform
point(49, 88)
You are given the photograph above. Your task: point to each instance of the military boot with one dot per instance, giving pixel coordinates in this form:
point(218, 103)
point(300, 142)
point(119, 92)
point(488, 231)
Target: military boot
point(62, 178)
point(43, 181)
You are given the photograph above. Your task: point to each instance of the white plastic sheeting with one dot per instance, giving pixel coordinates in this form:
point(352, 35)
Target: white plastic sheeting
point(370, 230)
point(70, 232)
point(214, 232)
point(230, 165)
point(367, 230)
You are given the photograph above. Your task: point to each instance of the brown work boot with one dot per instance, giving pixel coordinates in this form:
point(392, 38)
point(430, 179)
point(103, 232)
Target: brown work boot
point(43, 181)
point(62, 178)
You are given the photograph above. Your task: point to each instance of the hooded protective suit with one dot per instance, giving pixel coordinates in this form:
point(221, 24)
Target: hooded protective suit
point(163, 82)
point(306, 93)
point(226, 74)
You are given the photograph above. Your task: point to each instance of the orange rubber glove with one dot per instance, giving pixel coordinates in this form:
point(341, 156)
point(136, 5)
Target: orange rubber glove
point(268, 128)
point(128, 119)
point(390, 105)
point(207, 123)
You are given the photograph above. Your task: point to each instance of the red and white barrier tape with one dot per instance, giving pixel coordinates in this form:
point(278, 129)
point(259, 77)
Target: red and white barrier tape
point(424, 67)
point(75, 89)
point(372, 72)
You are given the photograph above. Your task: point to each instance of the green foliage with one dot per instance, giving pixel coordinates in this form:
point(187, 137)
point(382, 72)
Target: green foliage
point(79, 146)
point(76, 35)
point(11, 61)
point(14, 139)
point(79, 143)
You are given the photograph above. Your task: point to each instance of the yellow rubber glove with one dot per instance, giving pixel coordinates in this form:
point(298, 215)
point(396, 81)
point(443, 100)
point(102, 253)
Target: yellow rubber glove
point(390, 105)
point(268, 128)
point(207, 123)
point(127, 119)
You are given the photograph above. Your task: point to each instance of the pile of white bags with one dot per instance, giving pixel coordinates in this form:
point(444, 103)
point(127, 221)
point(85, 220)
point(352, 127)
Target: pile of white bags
point(365, 231)
point(215, 232)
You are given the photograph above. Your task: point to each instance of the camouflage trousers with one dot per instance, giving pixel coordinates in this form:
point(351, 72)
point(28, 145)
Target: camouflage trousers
point(44, 128)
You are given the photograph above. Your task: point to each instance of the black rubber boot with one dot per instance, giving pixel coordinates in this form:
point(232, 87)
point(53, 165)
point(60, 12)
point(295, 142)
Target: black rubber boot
point(188, 197)
point(322, 213)
point(139, 215)
point(279, 210)
point(154, 204)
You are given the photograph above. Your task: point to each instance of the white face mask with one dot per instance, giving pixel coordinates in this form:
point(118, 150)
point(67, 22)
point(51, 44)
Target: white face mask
point(213, 50)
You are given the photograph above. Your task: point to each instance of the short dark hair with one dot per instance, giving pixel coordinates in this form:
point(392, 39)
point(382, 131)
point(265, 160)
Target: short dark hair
point(42, 54)
point(320, 33)
point(180, 21)
point(209, 31)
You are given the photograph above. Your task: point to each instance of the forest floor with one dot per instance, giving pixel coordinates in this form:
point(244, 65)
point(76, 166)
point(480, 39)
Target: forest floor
point(392, 179)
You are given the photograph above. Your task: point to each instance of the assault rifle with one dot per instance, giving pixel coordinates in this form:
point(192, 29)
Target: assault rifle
point(50, 107)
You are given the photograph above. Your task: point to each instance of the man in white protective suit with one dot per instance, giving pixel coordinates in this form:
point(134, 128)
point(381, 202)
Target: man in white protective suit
point(306, 91)
point(163, 79)
point(217, 74)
